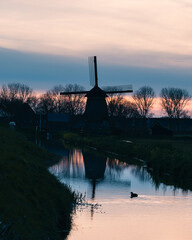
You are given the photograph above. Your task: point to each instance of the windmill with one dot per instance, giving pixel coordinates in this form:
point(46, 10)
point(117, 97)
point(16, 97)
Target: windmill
point(96, 106)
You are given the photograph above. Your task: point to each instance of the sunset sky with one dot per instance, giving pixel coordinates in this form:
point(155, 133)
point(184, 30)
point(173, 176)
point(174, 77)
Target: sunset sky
point(140, 42)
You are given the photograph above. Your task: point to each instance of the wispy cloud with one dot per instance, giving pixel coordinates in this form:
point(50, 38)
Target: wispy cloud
point(154, 33)
point(43, 71)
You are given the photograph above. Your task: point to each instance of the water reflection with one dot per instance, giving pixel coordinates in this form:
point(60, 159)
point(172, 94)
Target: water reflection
point(90, 172)
point(70, 166)
point(108, 181)
point(92, 168)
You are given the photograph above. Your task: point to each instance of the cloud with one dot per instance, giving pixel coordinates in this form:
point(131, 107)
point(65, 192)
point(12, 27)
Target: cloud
point(43, 71)
point(79, 28)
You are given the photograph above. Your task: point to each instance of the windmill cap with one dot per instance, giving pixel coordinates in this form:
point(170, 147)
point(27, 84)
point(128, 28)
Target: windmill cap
point(96, 92)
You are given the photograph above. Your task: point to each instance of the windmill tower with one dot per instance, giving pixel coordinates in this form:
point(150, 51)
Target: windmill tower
point(96, 106)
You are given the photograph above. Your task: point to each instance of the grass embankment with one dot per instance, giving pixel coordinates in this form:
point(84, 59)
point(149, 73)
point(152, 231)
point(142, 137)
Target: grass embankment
point(33, 204)
point(169, 160)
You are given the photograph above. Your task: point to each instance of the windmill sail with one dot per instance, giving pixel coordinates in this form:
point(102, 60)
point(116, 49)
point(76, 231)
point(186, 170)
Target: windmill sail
point(93, 71)
point(74, 92)
point(96, 112)
point(118, 89)
point(96, 107)
point(93, 76)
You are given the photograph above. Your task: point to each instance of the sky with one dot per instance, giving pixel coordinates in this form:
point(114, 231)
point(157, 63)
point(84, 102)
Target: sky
point(140, 42)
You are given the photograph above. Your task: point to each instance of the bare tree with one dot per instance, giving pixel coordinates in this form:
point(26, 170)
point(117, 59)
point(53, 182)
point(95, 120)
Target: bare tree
point(14, 94)
point(16, 91)
point(113, 100)
point(127, 109)
point(173, 102)
point(25, 93)
point(74, 103)
point(45, 104)
point(119, 106)
point(144, 99)
point(52, 101)
point(130, 110)
point(34, 100)
point(58, 101)
point(122, 108)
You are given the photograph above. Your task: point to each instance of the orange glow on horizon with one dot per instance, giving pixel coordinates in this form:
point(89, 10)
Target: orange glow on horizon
point(156, 109)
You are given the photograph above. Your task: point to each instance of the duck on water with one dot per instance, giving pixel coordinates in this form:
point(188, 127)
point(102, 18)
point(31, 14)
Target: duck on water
point(134, 195)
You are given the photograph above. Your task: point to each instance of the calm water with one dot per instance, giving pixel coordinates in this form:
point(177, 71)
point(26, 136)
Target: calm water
point(160, 212)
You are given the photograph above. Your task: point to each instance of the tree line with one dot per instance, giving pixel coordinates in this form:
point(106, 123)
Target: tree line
point(173, 101)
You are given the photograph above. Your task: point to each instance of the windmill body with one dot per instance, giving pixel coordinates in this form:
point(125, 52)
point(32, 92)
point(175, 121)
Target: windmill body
point(96, 106)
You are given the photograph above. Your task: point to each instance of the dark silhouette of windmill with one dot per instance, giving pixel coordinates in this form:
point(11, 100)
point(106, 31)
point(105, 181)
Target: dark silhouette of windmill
point(96, 106)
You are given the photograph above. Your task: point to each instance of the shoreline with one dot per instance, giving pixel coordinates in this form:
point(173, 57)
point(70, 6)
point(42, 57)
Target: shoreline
point(167, 160)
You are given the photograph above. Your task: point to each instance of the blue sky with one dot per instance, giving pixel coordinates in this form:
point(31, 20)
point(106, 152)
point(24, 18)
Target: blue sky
point(46, 43)
point(43, 71)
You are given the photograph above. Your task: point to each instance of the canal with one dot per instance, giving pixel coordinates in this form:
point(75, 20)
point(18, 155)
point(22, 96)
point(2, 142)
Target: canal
point(159, 212)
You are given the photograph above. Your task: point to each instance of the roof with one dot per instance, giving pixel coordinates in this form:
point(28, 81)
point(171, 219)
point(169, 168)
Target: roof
point(96, 92)
point(58, 117)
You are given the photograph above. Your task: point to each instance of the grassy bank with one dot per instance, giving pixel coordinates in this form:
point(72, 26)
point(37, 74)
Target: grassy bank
point(33, 204)
point(170, 157)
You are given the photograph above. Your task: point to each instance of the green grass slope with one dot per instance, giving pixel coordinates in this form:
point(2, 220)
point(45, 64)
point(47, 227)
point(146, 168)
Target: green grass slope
point(33, 204)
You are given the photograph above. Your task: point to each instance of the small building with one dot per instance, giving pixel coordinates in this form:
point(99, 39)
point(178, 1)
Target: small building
point(24, 116)
point(58, 122)
point(20, 113)
point(159, 130)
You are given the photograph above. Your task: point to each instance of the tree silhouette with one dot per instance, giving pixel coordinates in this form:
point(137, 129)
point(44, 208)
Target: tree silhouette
point(13, 94)
point(173, 102)
point(118, 106)
point(74, 103)
point(53, 102)
point(144, 99)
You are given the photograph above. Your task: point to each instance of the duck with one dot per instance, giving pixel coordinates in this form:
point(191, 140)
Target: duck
point(134, 195)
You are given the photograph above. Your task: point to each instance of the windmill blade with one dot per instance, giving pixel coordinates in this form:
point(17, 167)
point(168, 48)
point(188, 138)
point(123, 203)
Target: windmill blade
point(91, 71)
point(74, 92)
point(118, 89)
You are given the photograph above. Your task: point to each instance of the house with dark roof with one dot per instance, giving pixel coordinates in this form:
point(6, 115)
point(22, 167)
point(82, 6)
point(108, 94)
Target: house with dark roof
point(24, 116)
point(20, 113)
point(58, 122)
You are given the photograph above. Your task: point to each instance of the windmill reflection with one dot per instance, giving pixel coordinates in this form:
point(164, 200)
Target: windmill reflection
point(78, 167)
point(94, 169)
